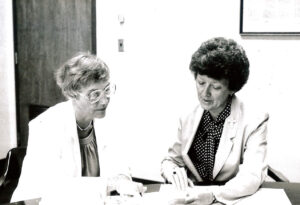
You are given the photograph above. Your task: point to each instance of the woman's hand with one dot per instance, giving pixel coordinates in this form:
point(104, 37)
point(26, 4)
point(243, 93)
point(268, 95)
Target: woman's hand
point(130, 188)
point(178, 177)
point(203, 198)
point(192, 197)
point(125, 186)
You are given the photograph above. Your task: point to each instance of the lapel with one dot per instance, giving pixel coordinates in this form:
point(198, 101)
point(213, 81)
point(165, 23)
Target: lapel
point(72, 131)
point(192, 128)
point(73, 142)
point(228, 134)
point(225, 145)
point(101, 133)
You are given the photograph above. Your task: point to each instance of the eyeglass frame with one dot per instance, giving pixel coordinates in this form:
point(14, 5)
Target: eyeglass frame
point(102, 93)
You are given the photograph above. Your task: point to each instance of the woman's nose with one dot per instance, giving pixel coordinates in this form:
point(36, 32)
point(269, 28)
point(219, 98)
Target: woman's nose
point(104, 100)
point(206, 90)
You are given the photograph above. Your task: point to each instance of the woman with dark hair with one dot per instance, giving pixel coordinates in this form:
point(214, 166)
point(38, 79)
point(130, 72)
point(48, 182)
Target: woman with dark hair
point(223, 140)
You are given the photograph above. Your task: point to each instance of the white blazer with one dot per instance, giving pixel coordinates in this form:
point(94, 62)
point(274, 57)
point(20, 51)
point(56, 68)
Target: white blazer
point(241, 156)
point(53, 152)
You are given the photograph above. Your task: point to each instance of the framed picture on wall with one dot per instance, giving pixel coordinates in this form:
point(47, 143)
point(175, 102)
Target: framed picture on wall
point(270, 17)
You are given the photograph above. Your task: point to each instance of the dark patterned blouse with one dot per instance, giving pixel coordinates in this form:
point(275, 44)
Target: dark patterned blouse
point(205, 144)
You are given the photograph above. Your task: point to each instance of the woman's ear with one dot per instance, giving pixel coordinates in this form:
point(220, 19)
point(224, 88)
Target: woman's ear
point(71, 95)
point(74, 96)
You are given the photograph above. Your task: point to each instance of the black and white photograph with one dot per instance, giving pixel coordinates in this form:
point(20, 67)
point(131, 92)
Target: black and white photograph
point(142, 102)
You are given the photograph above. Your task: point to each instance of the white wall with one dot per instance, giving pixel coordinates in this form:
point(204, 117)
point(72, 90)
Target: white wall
point(154, 83)
point(7, 80)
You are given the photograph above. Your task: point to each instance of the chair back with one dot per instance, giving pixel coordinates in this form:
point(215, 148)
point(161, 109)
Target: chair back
point(11, 174)
point(276, 175)
point(35, 110)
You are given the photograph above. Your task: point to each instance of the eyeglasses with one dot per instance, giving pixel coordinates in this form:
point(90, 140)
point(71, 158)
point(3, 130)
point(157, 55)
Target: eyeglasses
point(96, 95)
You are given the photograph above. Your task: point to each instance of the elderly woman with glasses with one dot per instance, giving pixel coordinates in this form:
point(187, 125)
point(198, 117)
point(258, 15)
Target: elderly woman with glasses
point(222, 141)
point(70, 139)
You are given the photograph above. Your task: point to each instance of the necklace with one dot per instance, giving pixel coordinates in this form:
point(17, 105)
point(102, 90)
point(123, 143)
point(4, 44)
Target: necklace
point(84, 129)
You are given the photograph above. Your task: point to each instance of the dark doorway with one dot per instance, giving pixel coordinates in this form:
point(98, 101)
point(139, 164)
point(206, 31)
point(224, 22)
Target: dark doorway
point(47, 33)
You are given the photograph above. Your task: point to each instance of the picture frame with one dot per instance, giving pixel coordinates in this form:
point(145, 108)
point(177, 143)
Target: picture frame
point(270, 17)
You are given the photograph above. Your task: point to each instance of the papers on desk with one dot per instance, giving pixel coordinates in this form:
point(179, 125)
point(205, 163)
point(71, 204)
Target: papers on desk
point(76, 191)
point(164, 196)
point(263, 196)
point(92, 191)
point(167, 195)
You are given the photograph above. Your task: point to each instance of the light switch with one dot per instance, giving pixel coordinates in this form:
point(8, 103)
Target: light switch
point(121, 19)
point(121, 45)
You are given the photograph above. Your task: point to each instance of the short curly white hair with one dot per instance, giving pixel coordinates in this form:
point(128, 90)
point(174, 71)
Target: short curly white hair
point(80, 71)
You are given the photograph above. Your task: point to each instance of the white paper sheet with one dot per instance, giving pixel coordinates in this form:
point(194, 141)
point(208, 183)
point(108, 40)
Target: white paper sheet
point(76, 191)
point(90, 191)
point(262, 197)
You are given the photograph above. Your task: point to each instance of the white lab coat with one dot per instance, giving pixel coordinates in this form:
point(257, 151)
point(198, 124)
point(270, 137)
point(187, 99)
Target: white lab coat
point(53, 152)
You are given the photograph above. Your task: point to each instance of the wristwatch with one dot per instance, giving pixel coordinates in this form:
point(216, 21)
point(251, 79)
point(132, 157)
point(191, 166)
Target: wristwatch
point(214, 200)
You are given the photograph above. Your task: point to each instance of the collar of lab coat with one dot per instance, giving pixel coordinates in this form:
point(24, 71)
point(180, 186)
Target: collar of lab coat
point(71, 127)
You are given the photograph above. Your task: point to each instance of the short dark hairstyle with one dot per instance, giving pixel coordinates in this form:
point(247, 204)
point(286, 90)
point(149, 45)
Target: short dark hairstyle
point(221, 58)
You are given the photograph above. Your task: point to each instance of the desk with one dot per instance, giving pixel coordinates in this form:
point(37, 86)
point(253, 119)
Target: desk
point(27, 202)
point(291, 189)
